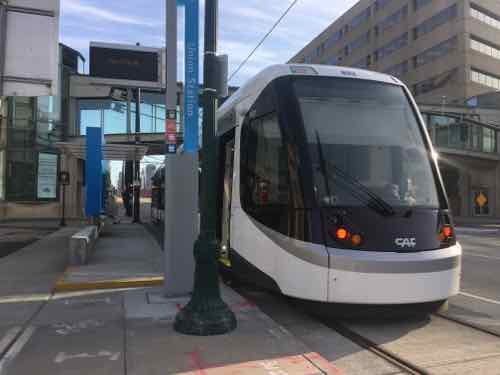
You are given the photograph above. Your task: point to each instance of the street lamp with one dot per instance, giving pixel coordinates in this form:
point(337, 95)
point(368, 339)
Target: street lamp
point(206, 313)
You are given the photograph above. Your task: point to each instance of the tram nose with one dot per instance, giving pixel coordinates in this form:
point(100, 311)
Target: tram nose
point(380, 277)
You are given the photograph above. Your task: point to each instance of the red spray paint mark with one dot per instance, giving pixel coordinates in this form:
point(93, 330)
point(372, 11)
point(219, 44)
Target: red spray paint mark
point(243, 305)
point(196, 362)
point(179, 307)
point(322, 363)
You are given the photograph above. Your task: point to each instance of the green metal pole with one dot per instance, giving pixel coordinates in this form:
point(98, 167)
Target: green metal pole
point(206, 313)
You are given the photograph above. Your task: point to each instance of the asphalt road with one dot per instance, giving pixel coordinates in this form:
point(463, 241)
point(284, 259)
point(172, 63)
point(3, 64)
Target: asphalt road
point(14, 237)
point(481, 263)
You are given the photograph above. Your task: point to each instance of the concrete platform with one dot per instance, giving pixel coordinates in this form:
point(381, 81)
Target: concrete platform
point(125, 256)
point(131, 332)
point(257, 346)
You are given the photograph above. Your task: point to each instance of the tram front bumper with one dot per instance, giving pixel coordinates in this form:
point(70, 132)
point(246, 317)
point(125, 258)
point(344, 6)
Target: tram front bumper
point(360, 277)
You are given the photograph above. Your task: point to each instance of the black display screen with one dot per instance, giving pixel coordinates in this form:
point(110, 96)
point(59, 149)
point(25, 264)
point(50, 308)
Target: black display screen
point(124, 64)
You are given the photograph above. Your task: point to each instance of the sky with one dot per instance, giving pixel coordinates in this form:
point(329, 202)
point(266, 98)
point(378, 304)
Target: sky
point(242, 24)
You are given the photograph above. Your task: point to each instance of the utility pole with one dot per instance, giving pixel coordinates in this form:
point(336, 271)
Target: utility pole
point(137, 163)
point(206, 313)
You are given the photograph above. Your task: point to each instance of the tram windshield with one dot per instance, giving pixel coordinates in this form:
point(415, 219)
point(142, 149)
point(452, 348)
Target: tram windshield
point(365, 144)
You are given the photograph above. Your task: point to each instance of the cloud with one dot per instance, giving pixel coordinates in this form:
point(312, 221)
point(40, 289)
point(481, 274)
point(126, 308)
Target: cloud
point(242, 24)
point(77, 8)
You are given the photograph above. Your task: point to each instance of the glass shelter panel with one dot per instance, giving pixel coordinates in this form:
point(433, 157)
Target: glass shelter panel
point(112, 115)
point(461, 134)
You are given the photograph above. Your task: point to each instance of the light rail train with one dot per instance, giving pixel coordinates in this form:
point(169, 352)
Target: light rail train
point(330, 190)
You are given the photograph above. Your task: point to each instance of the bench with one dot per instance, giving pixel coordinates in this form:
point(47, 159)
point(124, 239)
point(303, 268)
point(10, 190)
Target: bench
point(82, 245)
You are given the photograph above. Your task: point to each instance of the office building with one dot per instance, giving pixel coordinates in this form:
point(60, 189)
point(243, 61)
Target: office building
point(446, 51)
point(29, 47)
point(30, 127)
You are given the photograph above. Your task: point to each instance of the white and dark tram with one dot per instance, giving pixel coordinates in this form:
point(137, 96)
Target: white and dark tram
point(330, 190)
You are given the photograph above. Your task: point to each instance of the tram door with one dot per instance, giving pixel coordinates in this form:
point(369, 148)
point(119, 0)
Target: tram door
point(226, 197)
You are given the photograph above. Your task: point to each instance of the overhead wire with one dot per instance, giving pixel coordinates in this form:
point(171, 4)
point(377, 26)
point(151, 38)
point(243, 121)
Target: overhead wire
point(263, 39)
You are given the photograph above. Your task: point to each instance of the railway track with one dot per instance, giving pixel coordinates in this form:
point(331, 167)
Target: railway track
point(387, 355)
point(398, 360)
point(429, 346)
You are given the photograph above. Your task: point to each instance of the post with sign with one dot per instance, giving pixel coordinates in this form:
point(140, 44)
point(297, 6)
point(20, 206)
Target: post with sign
point(181, 176)
point(63, 181)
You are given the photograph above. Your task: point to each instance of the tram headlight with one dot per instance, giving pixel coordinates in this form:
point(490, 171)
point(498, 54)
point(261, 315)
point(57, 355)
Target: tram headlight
point(343, 235)
point(356, 240)
point(446, 233)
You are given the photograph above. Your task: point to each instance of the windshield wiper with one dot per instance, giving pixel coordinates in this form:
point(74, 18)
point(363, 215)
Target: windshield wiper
point(322, 165)
point(352, 185)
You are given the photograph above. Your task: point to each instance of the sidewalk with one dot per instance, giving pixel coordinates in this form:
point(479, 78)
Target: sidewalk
point(126, 255)
point(127, 331)
point(27, 279)
point(131, 332)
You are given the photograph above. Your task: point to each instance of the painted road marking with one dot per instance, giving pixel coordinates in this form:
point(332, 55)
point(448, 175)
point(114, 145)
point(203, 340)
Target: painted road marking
point(65, 329)
point(484, 299)
point(16, 349)
point(480, 256)
point(475, 230)
point(63, 357)
point(8, 338)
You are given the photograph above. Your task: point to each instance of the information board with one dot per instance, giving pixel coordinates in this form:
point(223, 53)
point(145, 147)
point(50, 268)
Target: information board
point(47, 176)
point(124, 62)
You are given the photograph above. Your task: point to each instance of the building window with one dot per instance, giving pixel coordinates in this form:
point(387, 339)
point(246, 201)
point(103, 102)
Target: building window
point(436, 82)
point(309, 59)
point(434, 22)
point(333, 39)
point(360, 64)
point(112, 115)
point(320, 50)
point(2, 174)
point(392, 46)
point(393, 19)
point(332, 61)
point(485, 79)
point(417, 4)
point(360, 42)
point(489, 19)
point(346, 51)
point(485, 48)
point(360, 18)
point(381, 4)
point(436, 52)
point(398, 70)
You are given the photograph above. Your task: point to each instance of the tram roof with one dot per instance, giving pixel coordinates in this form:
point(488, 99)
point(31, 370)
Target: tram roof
point(252, 88)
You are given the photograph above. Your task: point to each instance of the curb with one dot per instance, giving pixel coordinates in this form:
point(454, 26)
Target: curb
point(63, 286)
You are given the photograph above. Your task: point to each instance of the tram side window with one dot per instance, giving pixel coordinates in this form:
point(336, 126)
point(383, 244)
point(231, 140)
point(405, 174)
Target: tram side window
point(264, 184)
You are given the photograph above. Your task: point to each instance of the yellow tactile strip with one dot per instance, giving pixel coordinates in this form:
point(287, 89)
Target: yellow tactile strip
point(69, 286)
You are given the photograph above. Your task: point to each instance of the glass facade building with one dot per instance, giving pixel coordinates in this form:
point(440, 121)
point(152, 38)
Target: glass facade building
point(29, 129)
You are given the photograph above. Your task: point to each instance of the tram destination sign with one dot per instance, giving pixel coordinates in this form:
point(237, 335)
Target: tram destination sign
point(124, 62)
